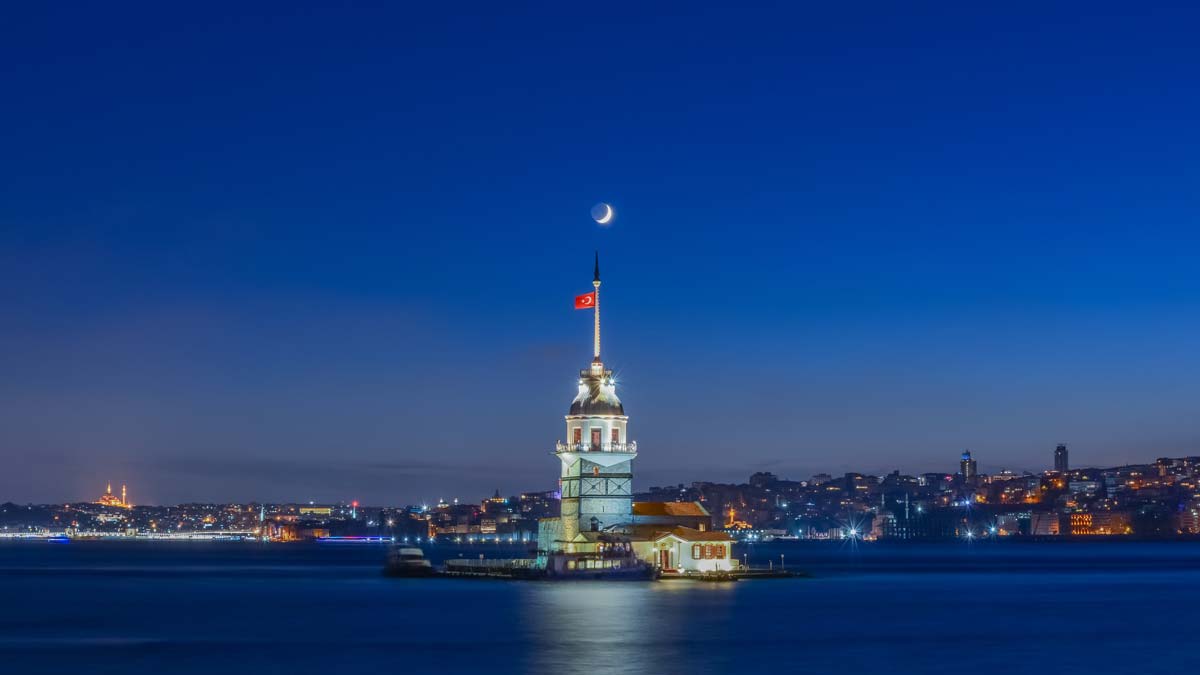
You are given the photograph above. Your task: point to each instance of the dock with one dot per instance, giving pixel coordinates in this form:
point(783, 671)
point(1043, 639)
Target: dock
point(526, 569)
point(734, 575)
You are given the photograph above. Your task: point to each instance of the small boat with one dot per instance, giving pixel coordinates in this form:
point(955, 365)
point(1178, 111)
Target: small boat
point(405, 561)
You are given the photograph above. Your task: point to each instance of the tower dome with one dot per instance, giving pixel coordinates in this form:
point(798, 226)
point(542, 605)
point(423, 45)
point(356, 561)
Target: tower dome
point(597, 394)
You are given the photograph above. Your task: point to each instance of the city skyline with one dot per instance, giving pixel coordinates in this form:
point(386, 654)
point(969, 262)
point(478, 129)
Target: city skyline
point(454, 496)
point(594, 505)
point(333, 253)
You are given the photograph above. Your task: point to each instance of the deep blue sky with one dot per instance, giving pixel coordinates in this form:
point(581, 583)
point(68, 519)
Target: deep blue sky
point(329, 253)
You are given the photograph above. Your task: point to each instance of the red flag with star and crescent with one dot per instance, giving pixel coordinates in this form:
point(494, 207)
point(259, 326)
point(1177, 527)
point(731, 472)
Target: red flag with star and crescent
point(585, 301)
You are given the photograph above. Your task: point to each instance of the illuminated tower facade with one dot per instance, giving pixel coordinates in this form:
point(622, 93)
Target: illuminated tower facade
point(967, 468)
point(1060, 459)
point(597, 457)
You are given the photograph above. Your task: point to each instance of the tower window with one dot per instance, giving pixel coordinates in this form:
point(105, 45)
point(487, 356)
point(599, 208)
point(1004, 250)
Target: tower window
point(616, 436)
point(578, 435)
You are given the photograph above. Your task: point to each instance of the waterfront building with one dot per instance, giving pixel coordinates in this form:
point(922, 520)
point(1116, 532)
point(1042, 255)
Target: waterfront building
point(683, 550)
point(1100, 523)
point(596, 479)
point(597, 529)
point(1189, 518)
point(1045, 523)
point(1007, 524)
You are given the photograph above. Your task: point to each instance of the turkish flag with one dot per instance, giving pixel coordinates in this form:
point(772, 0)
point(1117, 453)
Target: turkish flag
point(585, 301)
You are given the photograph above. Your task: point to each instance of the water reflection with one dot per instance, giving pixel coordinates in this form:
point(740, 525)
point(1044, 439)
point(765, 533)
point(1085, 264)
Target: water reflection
point(627, 627)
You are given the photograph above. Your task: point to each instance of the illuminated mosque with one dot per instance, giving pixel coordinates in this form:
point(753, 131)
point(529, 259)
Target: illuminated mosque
point(109, 499)
point(601, 530)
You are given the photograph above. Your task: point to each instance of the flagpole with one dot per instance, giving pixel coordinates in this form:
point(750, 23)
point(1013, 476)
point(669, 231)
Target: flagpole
point(596, 285)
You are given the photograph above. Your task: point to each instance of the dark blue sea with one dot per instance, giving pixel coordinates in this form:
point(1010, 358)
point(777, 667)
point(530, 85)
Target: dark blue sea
point(226, 608)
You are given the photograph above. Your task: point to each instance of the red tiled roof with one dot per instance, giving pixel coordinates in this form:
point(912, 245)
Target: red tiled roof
point(688, 534)
point(669, 509)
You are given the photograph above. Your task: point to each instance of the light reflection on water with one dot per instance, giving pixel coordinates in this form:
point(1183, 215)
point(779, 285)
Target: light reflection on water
point(933, 609)
point(598, 627)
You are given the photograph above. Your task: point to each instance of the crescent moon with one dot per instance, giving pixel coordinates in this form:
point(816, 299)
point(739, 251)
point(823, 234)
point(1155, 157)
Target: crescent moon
point(607, 217)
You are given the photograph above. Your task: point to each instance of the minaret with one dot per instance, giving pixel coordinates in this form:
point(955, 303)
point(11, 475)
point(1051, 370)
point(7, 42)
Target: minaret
point(123, 502)
point(597, 458)
point(596, 285)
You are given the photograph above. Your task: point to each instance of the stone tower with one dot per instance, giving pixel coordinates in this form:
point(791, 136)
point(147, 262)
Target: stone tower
point(597, 457)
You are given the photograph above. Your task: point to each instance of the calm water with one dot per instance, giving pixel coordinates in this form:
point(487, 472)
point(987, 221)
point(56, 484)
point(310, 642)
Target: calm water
point(134, 608)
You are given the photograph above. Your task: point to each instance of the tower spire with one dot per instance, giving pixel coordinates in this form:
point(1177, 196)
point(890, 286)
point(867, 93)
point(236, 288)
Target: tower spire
point(596, 285)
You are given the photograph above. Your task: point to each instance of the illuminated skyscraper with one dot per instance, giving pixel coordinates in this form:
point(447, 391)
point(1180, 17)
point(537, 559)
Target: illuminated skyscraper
point(1060, 459)
point(967, 468)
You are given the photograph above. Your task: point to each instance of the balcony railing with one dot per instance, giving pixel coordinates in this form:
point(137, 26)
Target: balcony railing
point(631, 446)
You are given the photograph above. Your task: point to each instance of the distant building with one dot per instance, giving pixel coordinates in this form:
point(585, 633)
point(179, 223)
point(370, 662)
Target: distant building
point(918, 524)
point(1060, 459)
point(1045, 523)
point(1100, 523)
point(966, 467)
point(109, 499)
point(763, 480)
point(935, 481)
point(1007, 524)
point(1189, 518)
point(1178, 466)
point(1090, 488)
